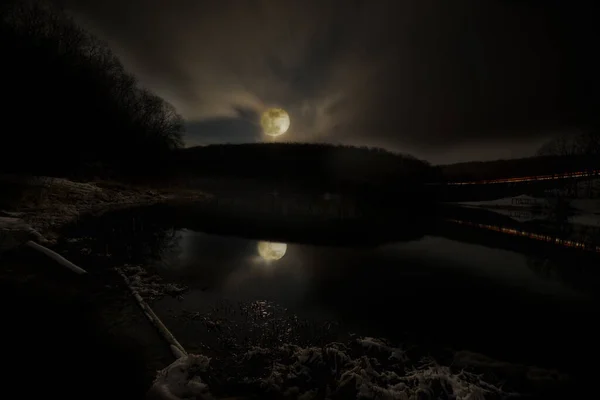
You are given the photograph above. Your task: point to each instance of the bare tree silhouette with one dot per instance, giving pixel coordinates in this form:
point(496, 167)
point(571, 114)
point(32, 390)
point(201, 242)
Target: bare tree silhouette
point(584, 146)
point(71, 107)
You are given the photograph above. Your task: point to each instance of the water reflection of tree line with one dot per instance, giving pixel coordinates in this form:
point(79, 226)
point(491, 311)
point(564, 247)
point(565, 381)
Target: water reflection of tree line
point(579, 275)
point(149, 235)
point(555, 224)
point(302, 228)
point(154, 233)
point(540, 236)
point(546, 257)
point(274, 204)
point(125, 236)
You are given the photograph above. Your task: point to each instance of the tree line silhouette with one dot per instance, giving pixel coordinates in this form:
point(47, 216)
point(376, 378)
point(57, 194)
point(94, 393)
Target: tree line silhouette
point(563, 154)
point(71, 108)
point(519, 167)
point(580, 144)
point(74, 111)
point(306, 166)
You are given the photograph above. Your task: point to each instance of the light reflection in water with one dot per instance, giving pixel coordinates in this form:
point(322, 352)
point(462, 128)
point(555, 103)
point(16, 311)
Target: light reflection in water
point(271, 251)
point(531, 235)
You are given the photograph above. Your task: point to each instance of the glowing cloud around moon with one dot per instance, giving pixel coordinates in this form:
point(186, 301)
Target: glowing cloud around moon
point(271, 251)
point(275, 121)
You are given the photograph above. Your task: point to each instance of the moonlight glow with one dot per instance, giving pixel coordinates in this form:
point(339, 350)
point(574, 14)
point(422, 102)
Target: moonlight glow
point(275, 121)
point(271, 251)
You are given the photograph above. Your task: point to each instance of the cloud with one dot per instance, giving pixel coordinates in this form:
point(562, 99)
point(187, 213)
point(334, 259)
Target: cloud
point(241, 125)
point(222, 130)
point(419, 75)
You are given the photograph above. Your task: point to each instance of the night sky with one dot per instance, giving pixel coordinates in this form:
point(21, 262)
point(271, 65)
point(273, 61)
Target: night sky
point(444, 80)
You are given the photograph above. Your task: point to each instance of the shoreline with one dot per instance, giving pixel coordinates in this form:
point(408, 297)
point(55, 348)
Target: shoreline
point(40, 206)
point(65, 201)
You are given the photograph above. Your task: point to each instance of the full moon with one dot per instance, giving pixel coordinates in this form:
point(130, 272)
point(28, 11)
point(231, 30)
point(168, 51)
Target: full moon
point(271, 251)
point(275, 121)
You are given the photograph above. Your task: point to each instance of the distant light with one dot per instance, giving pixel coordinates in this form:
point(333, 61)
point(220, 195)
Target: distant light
point(531, 235)
point(568, 175)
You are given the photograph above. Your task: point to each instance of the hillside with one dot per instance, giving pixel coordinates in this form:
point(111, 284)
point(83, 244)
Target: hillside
point(530, 166)
point(340, 166)
point(304, 165)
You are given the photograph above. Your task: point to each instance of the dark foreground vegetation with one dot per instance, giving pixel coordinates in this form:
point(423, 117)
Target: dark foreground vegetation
point(73, 336)
point(73, 110)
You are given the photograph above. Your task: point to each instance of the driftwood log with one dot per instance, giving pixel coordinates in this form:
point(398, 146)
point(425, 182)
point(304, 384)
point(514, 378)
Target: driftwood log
point(176, 348)
point(56, 257)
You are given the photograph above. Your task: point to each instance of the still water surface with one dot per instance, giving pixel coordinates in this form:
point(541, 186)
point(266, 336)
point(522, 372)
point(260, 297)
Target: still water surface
point(463, 287)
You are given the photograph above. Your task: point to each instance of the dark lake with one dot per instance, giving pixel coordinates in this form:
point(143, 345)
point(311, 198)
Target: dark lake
point(450, 281)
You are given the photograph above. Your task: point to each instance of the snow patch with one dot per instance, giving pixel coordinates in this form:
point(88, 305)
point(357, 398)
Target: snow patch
point(365, 368)
point(149, 286)
point(14, 232)
point(181, 380)
point(521, 201)
point(262, 351)
point(48, 203)
point(521, 215)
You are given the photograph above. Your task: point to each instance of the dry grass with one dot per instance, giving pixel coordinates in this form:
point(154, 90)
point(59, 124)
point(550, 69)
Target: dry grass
point(48, 203)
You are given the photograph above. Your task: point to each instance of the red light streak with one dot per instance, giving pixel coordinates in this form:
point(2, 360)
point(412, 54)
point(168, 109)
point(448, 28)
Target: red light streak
point(531, 235)
point(580, 174)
